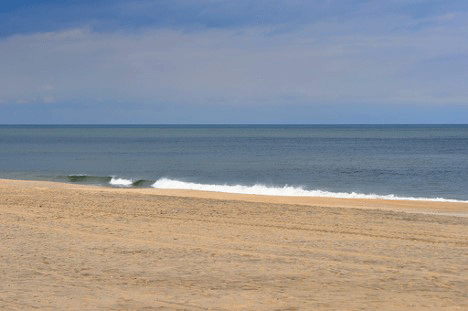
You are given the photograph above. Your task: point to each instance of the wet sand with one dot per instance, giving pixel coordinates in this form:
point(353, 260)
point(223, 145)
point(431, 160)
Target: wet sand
point(71, 247)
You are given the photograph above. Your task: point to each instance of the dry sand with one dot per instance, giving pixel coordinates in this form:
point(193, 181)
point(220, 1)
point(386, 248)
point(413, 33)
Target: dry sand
point(70, 247)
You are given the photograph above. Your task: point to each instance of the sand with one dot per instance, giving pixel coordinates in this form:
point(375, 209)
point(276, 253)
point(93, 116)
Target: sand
point(71, 247)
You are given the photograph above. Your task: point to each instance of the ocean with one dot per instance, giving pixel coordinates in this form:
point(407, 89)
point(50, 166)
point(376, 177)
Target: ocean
point(370, 161)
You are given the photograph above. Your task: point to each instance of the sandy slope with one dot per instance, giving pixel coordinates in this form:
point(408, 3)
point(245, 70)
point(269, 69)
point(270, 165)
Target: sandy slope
point(71, 247)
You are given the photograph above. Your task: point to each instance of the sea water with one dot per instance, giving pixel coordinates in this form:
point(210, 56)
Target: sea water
point(381, 161)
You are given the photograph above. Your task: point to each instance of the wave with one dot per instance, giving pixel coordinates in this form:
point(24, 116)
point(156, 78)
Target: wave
point(84, 178)
point(109, 180)
point(258, 189)
point(121, 182)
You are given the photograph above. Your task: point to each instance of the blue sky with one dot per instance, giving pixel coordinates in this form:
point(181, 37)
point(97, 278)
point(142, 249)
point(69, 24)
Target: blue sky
point(219, 61)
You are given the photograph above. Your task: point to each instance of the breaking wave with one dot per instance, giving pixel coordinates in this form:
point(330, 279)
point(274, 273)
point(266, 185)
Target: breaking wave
point(258, 189)
point(121, 182)
point(109, 180)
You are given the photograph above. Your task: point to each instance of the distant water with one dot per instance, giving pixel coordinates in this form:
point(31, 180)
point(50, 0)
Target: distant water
point(391, 161)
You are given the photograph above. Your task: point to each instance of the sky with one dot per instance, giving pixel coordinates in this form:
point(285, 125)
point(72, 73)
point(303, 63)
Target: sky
point(234, 62)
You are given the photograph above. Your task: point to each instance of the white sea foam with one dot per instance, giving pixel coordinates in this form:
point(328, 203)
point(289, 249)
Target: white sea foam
point(258, 189)
point(121, 182)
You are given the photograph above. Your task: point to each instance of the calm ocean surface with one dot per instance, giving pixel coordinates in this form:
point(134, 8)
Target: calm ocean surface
point(422, 161)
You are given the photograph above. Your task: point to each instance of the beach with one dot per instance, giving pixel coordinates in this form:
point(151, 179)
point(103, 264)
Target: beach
point(77, 247)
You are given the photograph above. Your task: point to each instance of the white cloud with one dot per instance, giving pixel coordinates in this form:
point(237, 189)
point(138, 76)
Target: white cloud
point(67, 35)
point(446, 17)
point(49, 99)
point(45, 87)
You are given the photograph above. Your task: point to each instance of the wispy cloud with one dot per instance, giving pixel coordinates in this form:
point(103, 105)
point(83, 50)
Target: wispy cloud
point(286, 55)
point(139, 15)
point(170, 65)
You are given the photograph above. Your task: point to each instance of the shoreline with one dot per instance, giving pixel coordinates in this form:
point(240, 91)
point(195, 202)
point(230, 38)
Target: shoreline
point(459, 209)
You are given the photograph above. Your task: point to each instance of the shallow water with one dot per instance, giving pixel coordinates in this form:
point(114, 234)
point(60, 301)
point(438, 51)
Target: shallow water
point(421, 161)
